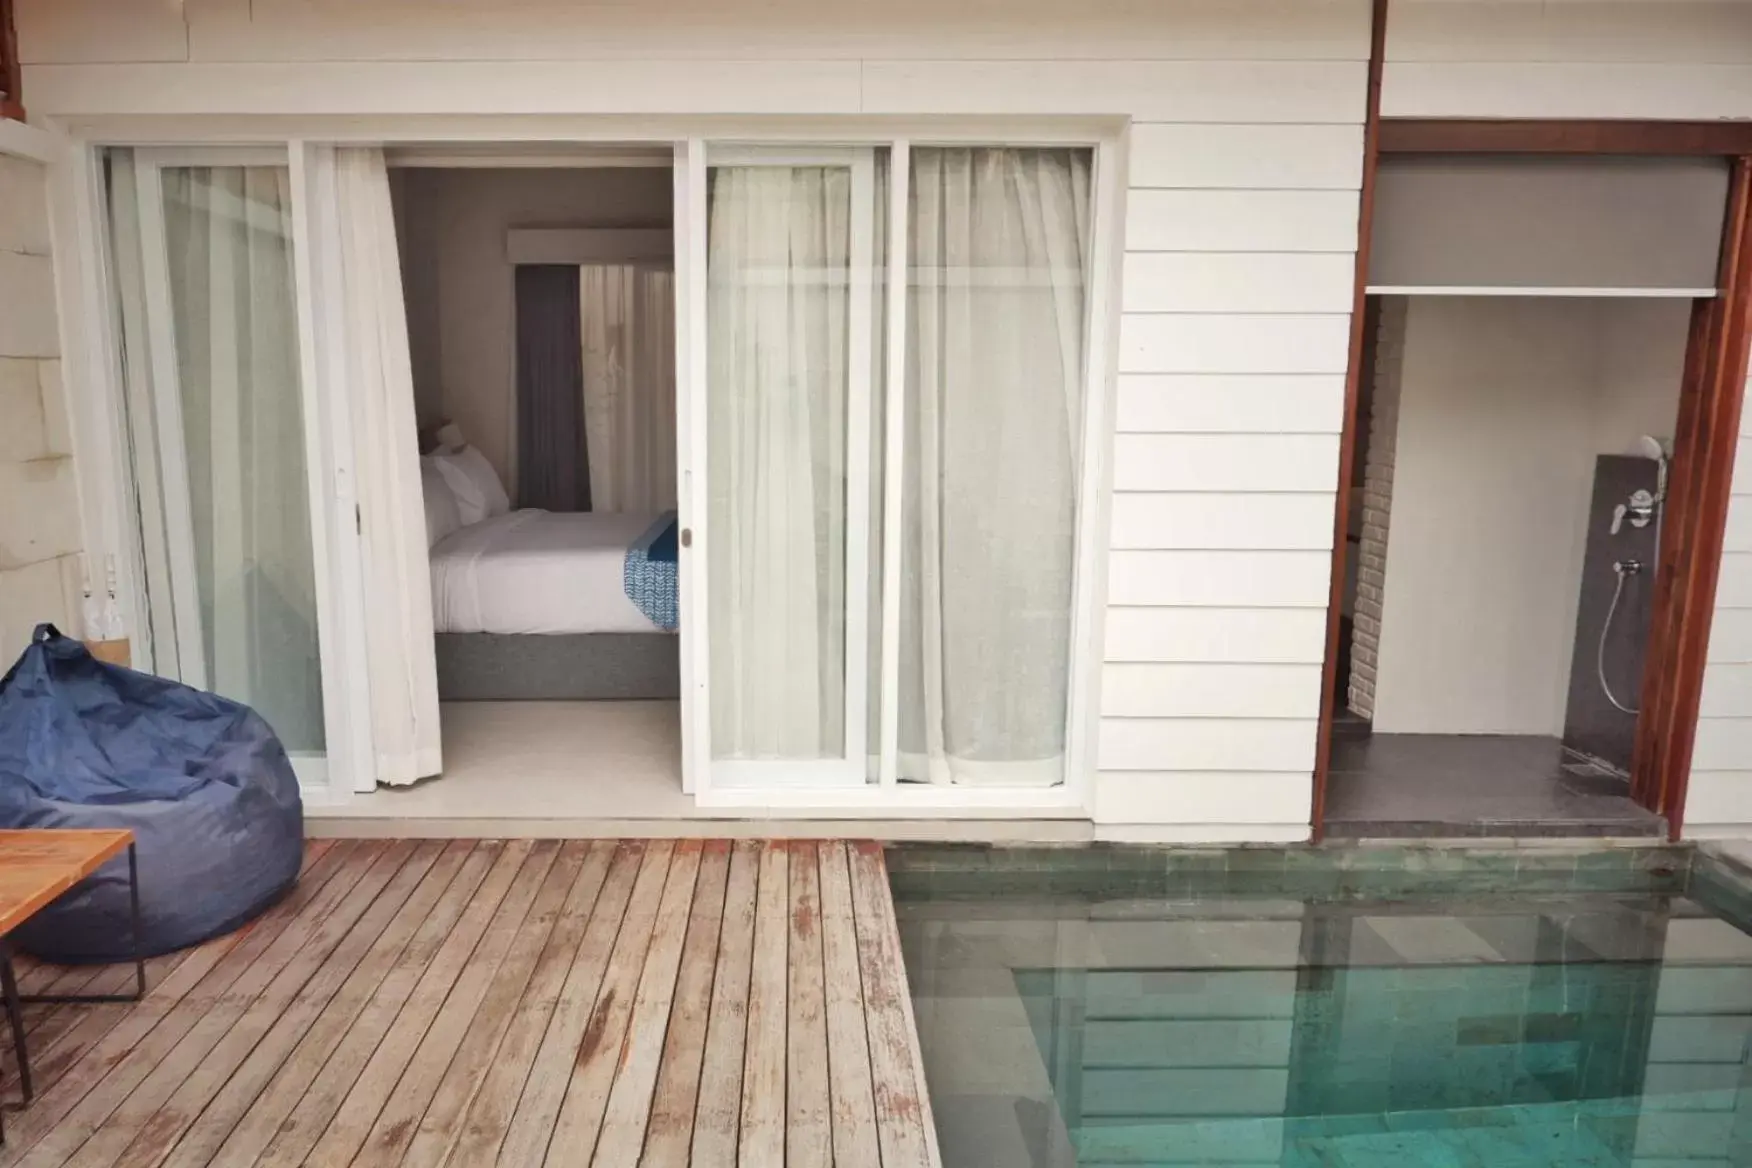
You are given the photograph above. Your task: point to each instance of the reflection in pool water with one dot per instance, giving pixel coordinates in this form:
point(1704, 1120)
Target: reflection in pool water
point(1350, 1027)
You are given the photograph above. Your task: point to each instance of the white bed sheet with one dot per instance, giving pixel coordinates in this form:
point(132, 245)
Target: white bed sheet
point(538, 572)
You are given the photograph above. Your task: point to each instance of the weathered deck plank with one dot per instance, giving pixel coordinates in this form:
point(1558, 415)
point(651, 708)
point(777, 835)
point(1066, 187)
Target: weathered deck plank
point(763, 1059)
point(901, 1122)
point(292, 1139)
point(369, 1091)
point(669, 1131)
point(808, 1123)
point(495, 1103)
point(442, 1122)
point(427, 1004)
point(267, 991)
point(398, 1118)
point(635, 1074)
point(238, 1124)
point(67, 1111)
point(717, 1122)
point(848, 1043)
point(598, 1057)
point(544, 1091)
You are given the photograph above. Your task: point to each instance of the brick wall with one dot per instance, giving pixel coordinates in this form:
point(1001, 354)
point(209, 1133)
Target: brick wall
point(1389, 341)
point(40, 574)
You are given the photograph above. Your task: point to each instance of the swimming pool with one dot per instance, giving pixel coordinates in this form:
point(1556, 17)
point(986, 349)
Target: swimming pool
point(1315, 1007)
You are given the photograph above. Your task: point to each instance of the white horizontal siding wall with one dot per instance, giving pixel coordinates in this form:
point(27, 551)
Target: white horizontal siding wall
point(1720, 799)
point(1568, 59)
point(1240, 252)
point(1240, 230)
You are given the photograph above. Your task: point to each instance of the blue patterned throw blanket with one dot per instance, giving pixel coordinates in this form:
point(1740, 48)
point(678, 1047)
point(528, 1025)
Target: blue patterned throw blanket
point(649, 575)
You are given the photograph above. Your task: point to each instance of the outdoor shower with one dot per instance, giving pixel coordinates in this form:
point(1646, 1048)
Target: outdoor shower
point(1640, 508)
point(1615, 604)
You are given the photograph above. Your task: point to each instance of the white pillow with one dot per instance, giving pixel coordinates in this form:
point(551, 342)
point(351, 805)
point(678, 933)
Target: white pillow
point(442, 515)
point(479, 494)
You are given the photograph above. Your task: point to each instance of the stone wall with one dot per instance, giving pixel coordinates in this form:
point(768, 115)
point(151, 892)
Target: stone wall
point(40, 572)
point(1389, 341)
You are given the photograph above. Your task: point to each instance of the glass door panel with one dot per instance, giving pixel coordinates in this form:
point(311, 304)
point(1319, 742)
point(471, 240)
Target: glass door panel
point(205, 292)
point(997, 251)
point(789, 246)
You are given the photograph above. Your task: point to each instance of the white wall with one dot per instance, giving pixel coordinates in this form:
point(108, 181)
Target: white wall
point(1240, 228)
point(1569, 59)
point(1504, 405)
point(40, 575)
point(1720, 798)
point(461, 304)
point(1245, 159)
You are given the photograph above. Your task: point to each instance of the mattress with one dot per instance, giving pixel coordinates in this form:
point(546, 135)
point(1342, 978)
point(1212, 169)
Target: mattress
point(542, 572)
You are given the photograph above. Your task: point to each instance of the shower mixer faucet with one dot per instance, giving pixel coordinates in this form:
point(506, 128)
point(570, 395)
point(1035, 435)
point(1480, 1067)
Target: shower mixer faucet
point(1641, 508)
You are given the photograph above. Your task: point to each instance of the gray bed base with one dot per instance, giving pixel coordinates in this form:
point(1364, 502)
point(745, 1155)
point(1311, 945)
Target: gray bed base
point(488, 667)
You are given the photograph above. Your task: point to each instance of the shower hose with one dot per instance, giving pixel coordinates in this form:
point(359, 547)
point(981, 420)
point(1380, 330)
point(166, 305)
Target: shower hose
point(1600, 654)
point(1618, 594)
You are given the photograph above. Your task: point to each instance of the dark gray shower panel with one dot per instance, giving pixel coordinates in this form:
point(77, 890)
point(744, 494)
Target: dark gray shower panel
point(1592, 725)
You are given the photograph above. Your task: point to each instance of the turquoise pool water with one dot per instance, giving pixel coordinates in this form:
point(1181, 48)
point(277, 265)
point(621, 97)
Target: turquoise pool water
point(1598, 1016)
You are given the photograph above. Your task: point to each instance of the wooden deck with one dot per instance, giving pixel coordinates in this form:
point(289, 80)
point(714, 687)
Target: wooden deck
point(506, 1002)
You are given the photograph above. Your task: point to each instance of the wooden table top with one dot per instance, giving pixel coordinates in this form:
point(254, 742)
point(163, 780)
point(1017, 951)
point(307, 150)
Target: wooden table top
point(39, 864)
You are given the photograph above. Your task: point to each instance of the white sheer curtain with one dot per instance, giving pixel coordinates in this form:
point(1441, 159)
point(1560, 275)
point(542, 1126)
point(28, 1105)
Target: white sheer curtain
point(778, 256)
point(998, 248)
point(228, 250)
point(155, 639)
point(400, 658)
point(628, 318)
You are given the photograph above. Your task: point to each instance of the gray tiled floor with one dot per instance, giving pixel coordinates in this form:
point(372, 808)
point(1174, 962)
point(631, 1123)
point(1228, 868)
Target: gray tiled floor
point(1476, 785)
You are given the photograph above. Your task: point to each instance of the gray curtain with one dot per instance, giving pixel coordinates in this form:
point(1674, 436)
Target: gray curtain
point(553, 465)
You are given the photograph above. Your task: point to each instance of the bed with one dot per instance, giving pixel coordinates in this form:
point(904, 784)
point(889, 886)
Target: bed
point(544, 605)
point(539, 573)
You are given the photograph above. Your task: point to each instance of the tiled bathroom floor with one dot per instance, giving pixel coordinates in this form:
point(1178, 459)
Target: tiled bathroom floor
point(1387, 785)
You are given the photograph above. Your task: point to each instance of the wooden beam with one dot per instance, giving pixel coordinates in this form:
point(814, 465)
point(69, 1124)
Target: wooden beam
point(1706, 466)
point(11, 75)
point(1654, 724)
point(1529, 136)
point(1347, 448)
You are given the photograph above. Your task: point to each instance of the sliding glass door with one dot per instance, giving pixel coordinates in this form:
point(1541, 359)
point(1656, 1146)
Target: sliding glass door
point(887, 461)
point(202, 251)
point(990, 430)
point(789, 243)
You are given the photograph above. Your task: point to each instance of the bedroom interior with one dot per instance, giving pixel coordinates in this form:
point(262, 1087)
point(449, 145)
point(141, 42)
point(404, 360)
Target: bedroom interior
point(540, 310)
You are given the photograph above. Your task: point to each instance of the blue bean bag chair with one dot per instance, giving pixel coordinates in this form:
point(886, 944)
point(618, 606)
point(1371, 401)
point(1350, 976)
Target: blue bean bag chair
point(201, 780)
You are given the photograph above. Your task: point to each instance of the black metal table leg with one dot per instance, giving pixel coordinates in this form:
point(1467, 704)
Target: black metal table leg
point(138, 939)
point(13, 1001)
point(134, 922)
point(15, 1019)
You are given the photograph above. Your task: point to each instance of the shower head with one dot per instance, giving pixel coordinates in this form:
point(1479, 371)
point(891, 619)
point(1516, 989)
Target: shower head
point(1653, 448)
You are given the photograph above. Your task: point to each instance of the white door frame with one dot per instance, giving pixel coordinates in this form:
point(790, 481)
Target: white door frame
point(850, 769)
point(345, 704)
point(338, 559)
point(687, 138)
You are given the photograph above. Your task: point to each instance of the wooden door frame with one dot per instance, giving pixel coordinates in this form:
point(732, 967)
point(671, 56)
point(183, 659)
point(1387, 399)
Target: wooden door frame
point(1705, 440)
point(1347, 444)
point(11, 72)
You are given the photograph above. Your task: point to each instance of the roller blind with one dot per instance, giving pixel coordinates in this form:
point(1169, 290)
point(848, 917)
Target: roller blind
point(1516, 222)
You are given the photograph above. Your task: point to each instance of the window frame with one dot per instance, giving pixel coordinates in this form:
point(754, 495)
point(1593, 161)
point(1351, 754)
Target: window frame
point(551, 140)
point(156, 391)
point(717, 784)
